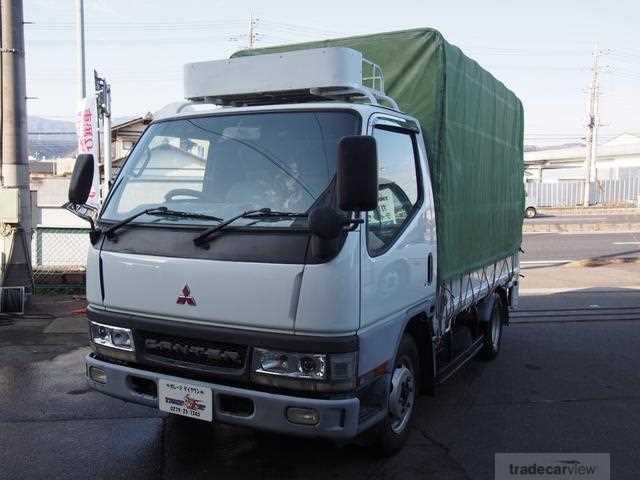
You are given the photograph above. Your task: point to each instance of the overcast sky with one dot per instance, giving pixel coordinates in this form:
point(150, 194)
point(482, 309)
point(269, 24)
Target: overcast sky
point(542, 50)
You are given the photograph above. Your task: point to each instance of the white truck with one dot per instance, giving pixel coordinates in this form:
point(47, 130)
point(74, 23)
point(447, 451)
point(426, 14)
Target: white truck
point(275, 254)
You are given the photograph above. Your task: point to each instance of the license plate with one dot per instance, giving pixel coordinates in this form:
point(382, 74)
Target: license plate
point(184, 399)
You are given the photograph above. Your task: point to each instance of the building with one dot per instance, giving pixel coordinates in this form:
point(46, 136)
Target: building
point(125, 135)
point(617, 159)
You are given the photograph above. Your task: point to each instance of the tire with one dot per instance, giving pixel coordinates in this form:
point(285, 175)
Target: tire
point(393, 431)
point(530, 212)
point(492, 331)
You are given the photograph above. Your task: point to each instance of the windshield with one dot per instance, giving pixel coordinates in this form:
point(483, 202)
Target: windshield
point(224, 165)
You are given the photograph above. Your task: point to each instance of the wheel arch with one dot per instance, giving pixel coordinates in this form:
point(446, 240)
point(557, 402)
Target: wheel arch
point(485, 306)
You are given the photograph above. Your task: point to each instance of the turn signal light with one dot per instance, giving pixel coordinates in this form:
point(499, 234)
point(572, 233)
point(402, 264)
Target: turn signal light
point(97, 375)
point(303, 416)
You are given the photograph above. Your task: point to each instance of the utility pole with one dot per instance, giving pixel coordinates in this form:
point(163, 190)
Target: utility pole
point(103, 90)
point(253, 35)
point(15, 225)
point(82, 91)
point(593, 122)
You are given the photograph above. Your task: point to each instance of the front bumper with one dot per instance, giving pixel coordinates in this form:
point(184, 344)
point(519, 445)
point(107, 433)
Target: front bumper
point(338, 418)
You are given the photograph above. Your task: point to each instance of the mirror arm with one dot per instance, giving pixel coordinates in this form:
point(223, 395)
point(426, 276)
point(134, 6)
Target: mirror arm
point(90, 220)
point(73, 208)
point(353, 224)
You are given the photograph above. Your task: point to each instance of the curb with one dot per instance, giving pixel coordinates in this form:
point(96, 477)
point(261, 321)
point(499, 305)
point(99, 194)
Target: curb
point(552, 291)
point(580, 227)
point(588, 211)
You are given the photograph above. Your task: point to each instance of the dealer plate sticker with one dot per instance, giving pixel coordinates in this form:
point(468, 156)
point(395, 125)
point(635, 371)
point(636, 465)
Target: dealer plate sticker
point(187, 400)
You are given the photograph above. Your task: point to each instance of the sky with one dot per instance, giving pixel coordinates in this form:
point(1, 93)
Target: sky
point(541, 50)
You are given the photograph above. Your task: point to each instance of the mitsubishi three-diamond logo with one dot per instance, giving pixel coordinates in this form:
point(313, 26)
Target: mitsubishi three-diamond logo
point(185, 298)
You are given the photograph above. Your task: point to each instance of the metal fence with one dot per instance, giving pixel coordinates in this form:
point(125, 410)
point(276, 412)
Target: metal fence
point(569, 194)
point(58, 258)
point(612, 192)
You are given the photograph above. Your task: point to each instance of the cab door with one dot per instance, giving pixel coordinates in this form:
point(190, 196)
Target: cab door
point(397, 242)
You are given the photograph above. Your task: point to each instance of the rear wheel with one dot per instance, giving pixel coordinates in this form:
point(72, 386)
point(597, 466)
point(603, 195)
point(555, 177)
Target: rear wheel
point(492, 331)
point(394, 429)
point(530, 212)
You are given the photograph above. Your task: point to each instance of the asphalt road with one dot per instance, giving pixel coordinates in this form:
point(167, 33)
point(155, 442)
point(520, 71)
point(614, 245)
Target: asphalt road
point(587, 218)
point(558, 248)
point(567, 380)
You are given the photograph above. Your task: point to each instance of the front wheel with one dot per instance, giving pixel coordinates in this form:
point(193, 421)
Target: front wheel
point(530, 212)
point(394, 429)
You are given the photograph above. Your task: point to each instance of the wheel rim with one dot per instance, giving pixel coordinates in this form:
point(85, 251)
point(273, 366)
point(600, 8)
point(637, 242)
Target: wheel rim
point(402, 396)
point(496, 327)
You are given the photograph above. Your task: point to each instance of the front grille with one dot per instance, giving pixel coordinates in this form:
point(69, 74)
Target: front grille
point(174, 351)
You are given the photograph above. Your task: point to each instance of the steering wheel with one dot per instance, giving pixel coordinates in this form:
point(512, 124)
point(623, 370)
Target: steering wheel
point(182, 192)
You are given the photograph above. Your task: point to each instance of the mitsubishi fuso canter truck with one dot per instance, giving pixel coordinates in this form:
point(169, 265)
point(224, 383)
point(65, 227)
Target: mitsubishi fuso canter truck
point(319, 234)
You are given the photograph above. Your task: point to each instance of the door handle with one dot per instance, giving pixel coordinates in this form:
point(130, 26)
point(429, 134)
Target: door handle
point(429, 268)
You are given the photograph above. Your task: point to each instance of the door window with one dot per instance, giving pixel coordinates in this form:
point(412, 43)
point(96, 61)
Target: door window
point(398, 189)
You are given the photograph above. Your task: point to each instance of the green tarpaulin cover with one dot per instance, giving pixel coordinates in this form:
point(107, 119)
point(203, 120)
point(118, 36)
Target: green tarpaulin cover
point(473, 128)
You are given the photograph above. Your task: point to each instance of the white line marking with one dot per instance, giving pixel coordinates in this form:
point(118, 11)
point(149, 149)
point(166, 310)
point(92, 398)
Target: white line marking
point(626, 243)
point(539, 262)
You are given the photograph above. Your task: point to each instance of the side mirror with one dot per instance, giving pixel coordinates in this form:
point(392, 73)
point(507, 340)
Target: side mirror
point(357, 174)
point(81, 179)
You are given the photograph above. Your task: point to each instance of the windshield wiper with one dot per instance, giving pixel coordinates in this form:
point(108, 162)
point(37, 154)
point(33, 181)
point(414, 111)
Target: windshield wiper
point(159, 211)
point(205, 237)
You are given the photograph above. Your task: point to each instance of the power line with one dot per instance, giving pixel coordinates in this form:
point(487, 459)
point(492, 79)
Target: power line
point(302, 28)
point(137, 25)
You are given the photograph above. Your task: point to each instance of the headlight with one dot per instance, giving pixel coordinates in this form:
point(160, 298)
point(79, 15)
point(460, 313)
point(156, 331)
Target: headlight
point(111, 337)
point(304, 371)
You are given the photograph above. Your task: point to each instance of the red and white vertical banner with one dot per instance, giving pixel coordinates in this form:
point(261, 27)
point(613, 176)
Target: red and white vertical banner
point(89, 141)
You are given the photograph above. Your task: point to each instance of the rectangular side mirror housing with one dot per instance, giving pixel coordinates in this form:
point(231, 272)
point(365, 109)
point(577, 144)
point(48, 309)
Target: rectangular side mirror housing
point(357, 174)
point(81, 179)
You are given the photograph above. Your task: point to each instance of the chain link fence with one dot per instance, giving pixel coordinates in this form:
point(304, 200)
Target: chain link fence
point(58, 258)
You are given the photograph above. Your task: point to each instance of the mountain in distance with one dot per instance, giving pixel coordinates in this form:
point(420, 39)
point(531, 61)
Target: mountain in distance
point(49, 138)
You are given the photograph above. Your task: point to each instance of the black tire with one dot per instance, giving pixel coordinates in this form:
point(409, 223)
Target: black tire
point(393, 431)
point(492, 331)
point(530, 212)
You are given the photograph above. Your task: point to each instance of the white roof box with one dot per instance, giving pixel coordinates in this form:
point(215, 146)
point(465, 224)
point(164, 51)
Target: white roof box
point(296, 76)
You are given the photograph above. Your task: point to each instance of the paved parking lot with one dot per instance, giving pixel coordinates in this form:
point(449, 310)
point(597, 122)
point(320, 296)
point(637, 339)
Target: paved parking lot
point(568, 380)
